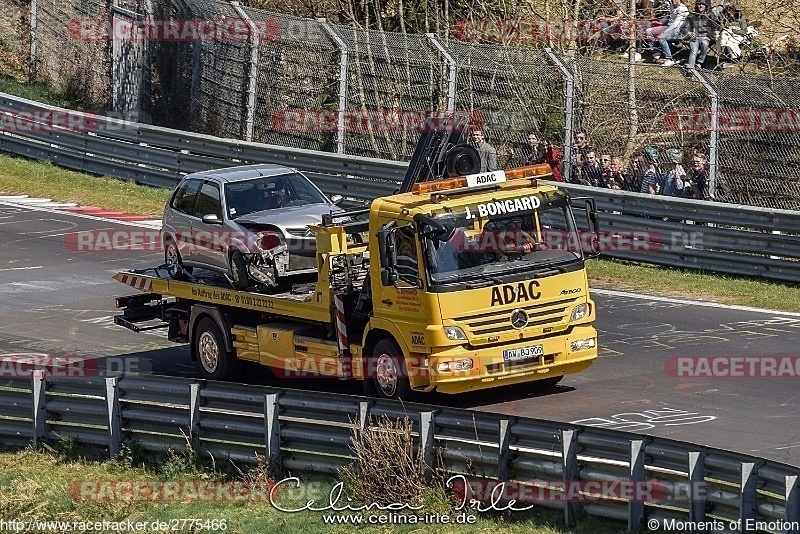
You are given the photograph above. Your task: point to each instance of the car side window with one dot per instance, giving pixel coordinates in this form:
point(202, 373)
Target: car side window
point(208, 202)
point(184, 198)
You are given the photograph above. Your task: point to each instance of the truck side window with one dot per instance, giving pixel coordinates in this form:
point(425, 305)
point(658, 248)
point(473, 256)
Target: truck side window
point(407, 265)
point(185, 197)
point(208, 203)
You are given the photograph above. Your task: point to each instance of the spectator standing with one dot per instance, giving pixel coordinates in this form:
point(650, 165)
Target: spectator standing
point(671, 27)
point(592, 170)
point(702, 27)
point(487, 152)
point(673, 181)
point(605, 170)
point(620, 178)
point(650, 176)
point(581, 147)
point(696, 185)
point(535, 152)
point(554, 157)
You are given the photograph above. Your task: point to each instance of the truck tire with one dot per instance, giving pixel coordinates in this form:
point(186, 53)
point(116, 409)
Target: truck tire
point(389, 374)
point(216, 363)
point(239, 278)
point(174, 262)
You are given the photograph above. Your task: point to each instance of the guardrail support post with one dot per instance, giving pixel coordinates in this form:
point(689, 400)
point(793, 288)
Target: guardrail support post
point(194, 415)
point(363, 415)
point(39, 408)
point(503, 453)
point(452, 76)
point(748, 507)
point(114, 419)
point(697, 487)
point(569, 110)
point(252, 77)
point(343, 60)
point(272, 433)
point(636, 508)
point(426, 443)
point(792, 497)
point(571, 471)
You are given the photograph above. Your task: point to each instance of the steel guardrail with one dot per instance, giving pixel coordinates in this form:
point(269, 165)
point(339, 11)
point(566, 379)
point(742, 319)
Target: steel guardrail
point(310, 432)
point(711, 236)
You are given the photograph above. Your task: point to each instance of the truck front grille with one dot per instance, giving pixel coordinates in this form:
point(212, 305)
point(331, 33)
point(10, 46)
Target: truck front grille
point(539, 315)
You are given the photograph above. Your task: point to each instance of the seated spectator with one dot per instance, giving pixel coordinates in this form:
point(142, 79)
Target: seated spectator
point(696, 184)
point(650, 177)
point(673, 182)
point(702, 27)
point(669, 29)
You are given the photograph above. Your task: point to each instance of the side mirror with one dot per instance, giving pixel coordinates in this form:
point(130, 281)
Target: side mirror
point(388, 254)
point(211, 219)
point(337, 199)
point(593, 225)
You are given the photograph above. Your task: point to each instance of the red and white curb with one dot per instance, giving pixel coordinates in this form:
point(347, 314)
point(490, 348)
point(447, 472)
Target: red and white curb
point(93, 212)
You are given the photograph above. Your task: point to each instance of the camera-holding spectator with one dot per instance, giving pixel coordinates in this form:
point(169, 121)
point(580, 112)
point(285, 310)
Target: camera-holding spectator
point(673, 180)
point(487, 152)
point(696, 184)
point(669, 30)
point(702, 27)
point(540, 150)
point(650, 177)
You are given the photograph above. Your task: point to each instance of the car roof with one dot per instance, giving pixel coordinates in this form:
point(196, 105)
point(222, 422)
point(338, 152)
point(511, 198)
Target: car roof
point(243, 172)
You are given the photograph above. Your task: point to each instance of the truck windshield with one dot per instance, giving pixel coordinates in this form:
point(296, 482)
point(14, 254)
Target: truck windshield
point(499, 238)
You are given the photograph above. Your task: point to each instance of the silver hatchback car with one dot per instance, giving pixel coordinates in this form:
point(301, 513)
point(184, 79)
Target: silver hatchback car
point(249, 223)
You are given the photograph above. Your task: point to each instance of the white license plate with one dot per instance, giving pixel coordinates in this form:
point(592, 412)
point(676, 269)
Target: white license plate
point(522, 353)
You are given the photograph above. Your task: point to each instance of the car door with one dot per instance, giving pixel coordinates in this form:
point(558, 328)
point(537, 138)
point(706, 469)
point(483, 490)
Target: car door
point(209, 239)
point(179, 216)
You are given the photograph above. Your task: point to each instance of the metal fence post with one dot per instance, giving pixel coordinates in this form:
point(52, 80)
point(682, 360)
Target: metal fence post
point(272, 434)
point(636, 508)
point(452, 69)
point(697, 487)
point(503, 453)
point(34, 14)
point(569, 110)
point(569, 465)
point(114, 417)
point(747, 494)
point(713, 140)
point(39, 408)
point(792, 497)
point(426, 431)
point(252, 77)
point(343, 60)
point(194, 415)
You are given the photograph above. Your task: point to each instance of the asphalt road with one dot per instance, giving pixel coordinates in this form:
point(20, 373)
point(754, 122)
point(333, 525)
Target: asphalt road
point(58, 301)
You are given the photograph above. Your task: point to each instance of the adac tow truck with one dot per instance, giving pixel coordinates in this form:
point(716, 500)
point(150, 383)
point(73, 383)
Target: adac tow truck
point(481, 283)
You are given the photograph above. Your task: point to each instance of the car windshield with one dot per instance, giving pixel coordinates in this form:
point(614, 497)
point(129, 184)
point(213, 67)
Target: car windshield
point(504, 237)
point(271, 192)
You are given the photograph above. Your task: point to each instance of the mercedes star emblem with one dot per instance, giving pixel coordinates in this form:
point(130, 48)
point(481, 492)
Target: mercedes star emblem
point(519, 318)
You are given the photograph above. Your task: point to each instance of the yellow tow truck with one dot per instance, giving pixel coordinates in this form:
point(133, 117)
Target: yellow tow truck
point(479, 282)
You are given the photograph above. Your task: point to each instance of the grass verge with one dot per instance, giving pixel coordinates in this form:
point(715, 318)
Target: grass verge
point(43, 179)
point(35, 486)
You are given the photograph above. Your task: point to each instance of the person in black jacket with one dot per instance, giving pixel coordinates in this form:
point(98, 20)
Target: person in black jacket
point(702, 25)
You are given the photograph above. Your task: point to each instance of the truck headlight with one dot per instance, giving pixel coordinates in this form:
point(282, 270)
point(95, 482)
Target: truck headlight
point(454, 333)
point(579, 312)
point(582, 344)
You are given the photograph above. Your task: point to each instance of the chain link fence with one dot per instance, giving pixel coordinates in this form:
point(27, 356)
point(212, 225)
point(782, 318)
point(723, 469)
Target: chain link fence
point(312, 84)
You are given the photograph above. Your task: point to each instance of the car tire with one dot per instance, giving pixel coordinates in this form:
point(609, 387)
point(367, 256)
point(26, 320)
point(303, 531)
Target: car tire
point(216, 363)
point(239, 277)
point(174, 261)
point(388, 371)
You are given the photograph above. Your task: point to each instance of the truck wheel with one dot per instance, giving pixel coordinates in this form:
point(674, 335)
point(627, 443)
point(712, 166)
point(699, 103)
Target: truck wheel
point(239, 276)
point(216, 363)
point(174, 262)
point(389, 373)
